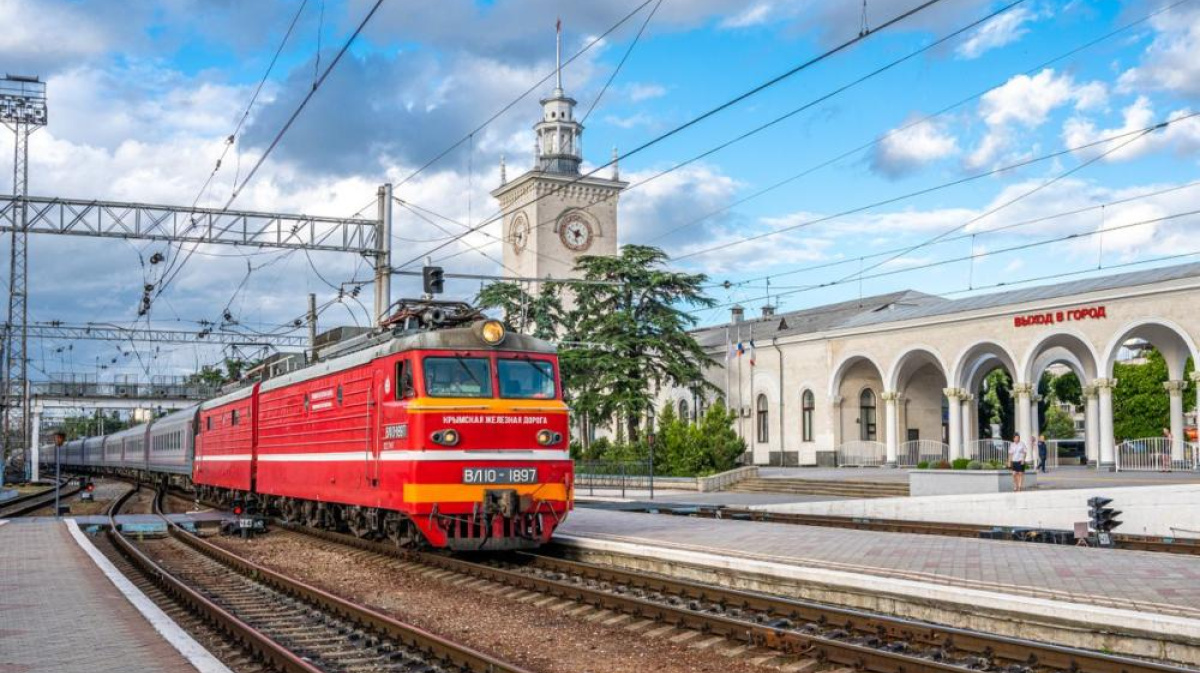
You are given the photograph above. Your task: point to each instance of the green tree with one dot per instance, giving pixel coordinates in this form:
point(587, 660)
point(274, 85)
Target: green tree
point(539, 315)
point(637, 334)
point(229, 371)
point(686, 449)
point(1059, 424)
point(996, 405)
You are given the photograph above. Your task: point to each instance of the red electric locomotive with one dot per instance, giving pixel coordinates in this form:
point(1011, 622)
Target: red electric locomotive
point(444, 429)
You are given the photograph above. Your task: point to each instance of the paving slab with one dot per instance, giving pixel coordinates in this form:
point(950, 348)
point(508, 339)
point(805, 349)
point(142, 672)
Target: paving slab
point(59, 613)
point(1149, 582)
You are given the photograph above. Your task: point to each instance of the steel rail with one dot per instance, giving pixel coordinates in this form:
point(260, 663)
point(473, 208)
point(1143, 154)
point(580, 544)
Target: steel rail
point(31, 502)
point(862, 657)
point(242, 633)
point(433, 646)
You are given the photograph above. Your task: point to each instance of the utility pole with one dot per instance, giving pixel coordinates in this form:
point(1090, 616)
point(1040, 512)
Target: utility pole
point(22, 110)
point(312, 327)
point(383, 256)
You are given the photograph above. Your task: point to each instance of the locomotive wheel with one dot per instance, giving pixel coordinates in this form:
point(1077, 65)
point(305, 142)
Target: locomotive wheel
point(359, 522)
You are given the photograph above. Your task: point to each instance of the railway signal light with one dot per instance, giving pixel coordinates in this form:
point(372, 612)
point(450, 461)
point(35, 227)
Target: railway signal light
point(433, 278)
point(1102, 519)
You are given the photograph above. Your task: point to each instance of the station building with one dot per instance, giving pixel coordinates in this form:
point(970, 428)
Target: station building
point(896, 378)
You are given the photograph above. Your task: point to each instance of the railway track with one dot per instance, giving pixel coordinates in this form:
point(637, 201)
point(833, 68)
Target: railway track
point(281, 624)
point(812, 636)
point(1168, 545)
point(31, 502)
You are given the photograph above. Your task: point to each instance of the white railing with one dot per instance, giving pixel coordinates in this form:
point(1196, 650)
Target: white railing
point(922, 450)
point(984, 450)
point(723, 480)
point(1156, 454)
point(862, 453)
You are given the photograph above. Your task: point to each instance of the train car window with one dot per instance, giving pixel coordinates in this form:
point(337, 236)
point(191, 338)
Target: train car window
point(457, 377)
point(339, 393)
point(526, 379)
point(233, 417)
point(208, 423)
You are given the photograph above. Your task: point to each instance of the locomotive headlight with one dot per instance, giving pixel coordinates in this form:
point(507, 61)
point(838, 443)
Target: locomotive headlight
point(445, 437)
point(492, 332)
point(547, 437)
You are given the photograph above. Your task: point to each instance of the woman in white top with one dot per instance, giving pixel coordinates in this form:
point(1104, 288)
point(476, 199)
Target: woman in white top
point(1017, 452)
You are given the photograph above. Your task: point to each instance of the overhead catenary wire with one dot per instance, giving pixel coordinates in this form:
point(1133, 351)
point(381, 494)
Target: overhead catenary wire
point(281, 133)
point(855, 278)
point(499, 113)
point(939, 187)
point(982, 232)
point(620, 64)
point(922, 120)
point(749, 93)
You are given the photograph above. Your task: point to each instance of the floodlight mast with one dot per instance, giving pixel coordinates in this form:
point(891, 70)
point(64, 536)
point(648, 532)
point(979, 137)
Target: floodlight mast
point(23, 111)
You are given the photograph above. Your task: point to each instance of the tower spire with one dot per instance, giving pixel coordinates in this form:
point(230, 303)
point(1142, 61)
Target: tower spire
point(558, 55)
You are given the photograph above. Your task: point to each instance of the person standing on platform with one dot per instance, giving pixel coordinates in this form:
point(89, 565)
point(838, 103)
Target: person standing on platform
point(1017, 454)
point(1042, 453)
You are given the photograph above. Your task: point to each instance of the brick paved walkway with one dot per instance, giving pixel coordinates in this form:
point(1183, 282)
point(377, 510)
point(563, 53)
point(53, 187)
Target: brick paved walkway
point(60, 614)
point(1142, 581)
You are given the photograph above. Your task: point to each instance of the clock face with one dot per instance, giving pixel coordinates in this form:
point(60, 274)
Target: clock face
point(520, 233)
point(576, 233)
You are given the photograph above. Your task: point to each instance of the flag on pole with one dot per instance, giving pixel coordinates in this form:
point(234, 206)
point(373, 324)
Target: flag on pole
point(753, 353)
point(740, 349)
point(558, 25)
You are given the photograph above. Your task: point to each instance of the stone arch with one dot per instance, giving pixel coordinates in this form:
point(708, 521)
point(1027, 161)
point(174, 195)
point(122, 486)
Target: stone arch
point(911, 360)
point(1067, 346)
point(921, 376)
point(968, 363)
point(853, 374)
point(1167, 337)
point(848, 363)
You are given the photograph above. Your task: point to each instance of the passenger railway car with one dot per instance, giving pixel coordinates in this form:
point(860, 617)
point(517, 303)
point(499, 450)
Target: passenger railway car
point(441, 429)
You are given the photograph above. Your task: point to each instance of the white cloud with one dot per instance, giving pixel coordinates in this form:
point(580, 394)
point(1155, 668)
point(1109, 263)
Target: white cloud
point(903, 151)
point(1181, 137)
point(639, 91)
point(1025, 102)
point(753, 15)
point(1000, 31)
point(1169, 62)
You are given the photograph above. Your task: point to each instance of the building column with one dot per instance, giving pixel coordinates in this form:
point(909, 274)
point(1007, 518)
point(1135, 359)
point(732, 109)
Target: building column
point(1091, 418)
point(836, 403)
point(954, 411)
point(1108, 453)
point(891, 400)
point(1023, 392)
point(1175, 389)
point(968, 412)
point(1035, 426)
point(34, 447)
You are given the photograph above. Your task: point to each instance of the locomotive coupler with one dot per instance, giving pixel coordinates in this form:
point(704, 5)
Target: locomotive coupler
point(504, 502)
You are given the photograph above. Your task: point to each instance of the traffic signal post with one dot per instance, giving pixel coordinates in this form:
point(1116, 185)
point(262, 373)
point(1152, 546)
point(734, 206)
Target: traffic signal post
point(1102, 519)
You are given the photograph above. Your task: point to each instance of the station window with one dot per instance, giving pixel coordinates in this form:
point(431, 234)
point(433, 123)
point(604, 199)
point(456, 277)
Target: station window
point(807, 405)
point(683, 410)
point(866, 416)
point(761, 419)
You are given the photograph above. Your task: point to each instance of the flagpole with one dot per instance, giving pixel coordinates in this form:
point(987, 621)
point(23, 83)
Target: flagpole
point(728, 357)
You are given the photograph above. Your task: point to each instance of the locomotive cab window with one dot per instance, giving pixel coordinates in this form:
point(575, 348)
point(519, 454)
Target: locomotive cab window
point(526, 379)
point(458, 377)
point(404, 381)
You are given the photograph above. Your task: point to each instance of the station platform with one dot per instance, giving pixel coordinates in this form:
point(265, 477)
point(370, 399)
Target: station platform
point(60, 612)
point(1147, 601)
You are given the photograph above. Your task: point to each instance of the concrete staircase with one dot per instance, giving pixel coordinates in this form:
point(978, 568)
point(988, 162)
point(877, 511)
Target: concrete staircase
point(832, 487)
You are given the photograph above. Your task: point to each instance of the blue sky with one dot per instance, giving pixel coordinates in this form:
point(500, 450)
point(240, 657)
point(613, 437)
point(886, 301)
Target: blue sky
point(142, 100)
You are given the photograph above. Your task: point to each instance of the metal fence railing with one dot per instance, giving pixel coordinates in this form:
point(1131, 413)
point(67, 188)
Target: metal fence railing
point(614, 475)
point(984, 450)
point(922, 451)
point(1156, 454)
point(862, 453)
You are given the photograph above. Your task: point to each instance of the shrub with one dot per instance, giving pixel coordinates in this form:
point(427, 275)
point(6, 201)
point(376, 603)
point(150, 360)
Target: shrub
point(974, 465)
point(942, 465)
point(995, 465)
point(923, 465)
point(960, 463)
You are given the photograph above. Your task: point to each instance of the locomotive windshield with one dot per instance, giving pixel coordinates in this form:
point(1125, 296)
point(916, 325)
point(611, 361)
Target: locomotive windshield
point(526, 379)
point(458, 377)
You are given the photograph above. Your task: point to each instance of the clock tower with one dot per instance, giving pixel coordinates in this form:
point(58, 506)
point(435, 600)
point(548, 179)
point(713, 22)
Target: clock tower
point(552, 214)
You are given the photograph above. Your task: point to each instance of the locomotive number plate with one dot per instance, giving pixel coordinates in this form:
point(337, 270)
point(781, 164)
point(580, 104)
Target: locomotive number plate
point(499, 475)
